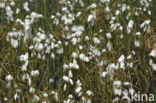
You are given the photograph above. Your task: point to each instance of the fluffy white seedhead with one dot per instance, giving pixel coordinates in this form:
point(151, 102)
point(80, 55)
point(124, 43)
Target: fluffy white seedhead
point(36, 98)
point(96, 40)
point(78, 83)
point(2, 5)
point(70, 74)
point(32, 90)
point(103, 74)
point(152, 53)
point(25, 6)
point(117, 83)
point(35, 72)
point(14, 43)
point(130, 24)
point(117, 91)
point(9, 78)
point(137, 43)
point(66, 78)
point(24, 57)
point(92, 6)
point(78, 89)
point(108, 35)
point(153, 66)
point(89, 93)
point(121, 59)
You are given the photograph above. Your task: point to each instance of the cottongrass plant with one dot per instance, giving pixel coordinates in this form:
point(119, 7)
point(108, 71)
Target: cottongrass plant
point(76, 51)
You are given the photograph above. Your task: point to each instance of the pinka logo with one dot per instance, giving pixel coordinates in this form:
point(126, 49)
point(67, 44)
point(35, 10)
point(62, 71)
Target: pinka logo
point(137, 97)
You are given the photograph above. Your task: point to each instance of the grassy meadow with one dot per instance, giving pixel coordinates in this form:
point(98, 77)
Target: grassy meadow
point(77, 51)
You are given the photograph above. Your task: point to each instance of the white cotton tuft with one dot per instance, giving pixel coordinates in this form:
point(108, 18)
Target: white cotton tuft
point(137, 43)
point(103, 74)
point(154, 67)
point(89, 93)
point(117, 91)
point(70, 74)
point(78, 89)
point(130, 24)
point(108, 35)
point(9, 78)
point(14, 43)
point(96, 40)
point(152, 53)
point(65, 78)
point(32, 90)
point(121, 59)
point(35, 72)
point(90, 17)
point(24, 57)
point(117, 83)
point(25, 6)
